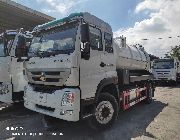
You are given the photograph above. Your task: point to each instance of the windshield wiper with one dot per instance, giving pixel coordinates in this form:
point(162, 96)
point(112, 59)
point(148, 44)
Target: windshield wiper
point(68, 51)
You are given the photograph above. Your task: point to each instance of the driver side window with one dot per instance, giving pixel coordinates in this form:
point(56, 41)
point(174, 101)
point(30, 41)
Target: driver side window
point(108, 43)
point(95, 39)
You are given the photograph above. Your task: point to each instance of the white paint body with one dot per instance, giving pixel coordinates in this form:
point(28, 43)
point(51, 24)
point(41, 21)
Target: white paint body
point(11, 76)
point(169, 74)
point(76, 75)
point(53, 101)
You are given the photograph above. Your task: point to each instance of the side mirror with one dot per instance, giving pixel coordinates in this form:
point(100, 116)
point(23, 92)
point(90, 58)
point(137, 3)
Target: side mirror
point(21, 48)
point(85, 33)
point(85, 52)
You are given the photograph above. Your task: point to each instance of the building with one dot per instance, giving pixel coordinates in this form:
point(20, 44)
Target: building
point(15, 16)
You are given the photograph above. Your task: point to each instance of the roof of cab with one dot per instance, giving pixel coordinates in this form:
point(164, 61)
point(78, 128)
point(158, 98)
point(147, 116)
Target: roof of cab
point(85, 15)
point(57, 22)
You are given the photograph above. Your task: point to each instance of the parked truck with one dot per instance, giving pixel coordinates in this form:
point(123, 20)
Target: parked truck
point(76, 70)
point(12, 80)
point(166, 70)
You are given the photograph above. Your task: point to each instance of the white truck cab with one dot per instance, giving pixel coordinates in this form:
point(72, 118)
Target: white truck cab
point(12, 81)
point(58, 73)
point(166, 70)
point(74, 71)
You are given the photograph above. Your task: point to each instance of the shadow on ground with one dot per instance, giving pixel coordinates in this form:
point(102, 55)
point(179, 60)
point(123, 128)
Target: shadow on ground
point(130, 124)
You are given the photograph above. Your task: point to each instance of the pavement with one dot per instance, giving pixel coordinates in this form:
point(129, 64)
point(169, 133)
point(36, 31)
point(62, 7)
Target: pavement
point(158, 120)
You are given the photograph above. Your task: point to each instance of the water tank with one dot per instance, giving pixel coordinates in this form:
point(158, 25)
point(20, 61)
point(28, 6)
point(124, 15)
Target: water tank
point(130, 57)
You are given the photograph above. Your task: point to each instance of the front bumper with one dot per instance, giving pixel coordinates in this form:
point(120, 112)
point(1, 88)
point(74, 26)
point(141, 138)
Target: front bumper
point(6, 93)
point(50, 103)
point(163, 78)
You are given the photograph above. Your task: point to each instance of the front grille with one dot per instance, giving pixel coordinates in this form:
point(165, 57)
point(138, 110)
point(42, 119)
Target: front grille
point(45, 89)
point(162, 73)
point(46, 80)
point(47, 73)
point(52, 73)
point(53, 79)
point(45, 108)
point(163, 78)
point(36, 73)
point(48, 76)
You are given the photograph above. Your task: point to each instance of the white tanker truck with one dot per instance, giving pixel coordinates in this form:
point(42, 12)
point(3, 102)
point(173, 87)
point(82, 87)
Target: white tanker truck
point(166, 70)
point(76, 71)
point(12, 81)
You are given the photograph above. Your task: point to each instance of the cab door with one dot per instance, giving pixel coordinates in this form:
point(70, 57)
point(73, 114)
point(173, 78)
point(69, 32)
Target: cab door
point(91, 72)
point(108, 62)
point(5, 79)
point(5, 69)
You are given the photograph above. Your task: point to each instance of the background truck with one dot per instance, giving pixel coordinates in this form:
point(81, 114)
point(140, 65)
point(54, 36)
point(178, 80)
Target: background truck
point(77, 71)
point(11, 67)
point(166, 70)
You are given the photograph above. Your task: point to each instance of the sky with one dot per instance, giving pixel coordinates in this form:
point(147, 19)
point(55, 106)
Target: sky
point(135, 19)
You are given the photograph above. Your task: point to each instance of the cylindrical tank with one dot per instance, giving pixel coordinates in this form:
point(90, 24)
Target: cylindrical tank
point(130, 57)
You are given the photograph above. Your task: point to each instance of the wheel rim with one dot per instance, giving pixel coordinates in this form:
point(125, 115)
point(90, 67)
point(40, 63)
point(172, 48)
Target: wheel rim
point(104, 112)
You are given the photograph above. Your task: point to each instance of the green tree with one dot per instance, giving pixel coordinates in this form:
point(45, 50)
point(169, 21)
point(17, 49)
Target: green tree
point(175, 52)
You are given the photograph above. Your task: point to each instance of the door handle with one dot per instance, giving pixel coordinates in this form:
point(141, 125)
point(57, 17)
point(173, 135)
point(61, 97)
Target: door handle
point(102, 64)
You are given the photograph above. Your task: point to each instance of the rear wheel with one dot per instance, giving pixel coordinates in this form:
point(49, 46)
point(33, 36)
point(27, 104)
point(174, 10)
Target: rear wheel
point(150, 93)
point(106, 112)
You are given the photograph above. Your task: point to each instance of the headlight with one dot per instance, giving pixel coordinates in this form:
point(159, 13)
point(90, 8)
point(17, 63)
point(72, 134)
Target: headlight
point(68, 99)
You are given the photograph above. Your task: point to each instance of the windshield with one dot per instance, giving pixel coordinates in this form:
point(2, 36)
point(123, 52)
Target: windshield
point(168, 64)
point(1, 48)
point(55, 41)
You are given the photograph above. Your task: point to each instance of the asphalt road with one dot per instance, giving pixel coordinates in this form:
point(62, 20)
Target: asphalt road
point(158, 120)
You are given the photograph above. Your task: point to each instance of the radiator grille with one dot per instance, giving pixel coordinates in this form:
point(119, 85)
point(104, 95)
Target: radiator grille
point(48, 77)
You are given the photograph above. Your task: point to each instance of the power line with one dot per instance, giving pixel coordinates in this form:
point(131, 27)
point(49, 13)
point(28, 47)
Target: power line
point(170, 37)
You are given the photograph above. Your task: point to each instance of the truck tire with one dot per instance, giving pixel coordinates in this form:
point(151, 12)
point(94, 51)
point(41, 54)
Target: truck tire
point(106, 112)
point(173, 83)
point(150, 94)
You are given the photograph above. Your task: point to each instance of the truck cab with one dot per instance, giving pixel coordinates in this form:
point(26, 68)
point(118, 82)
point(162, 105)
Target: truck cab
point(67, 62)
point(166, 70)
point(11, 66)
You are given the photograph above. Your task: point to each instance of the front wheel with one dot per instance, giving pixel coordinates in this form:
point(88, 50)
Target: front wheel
point(106, 112)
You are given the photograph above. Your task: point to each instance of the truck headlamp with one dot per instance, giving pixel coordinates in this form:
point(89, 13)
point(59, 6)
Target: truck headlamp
point(68, 99)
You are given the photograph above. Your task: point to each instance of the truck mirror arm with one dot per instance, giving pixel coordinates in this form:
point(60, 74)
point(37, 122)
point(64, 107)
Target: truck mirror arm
point(85, 53)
